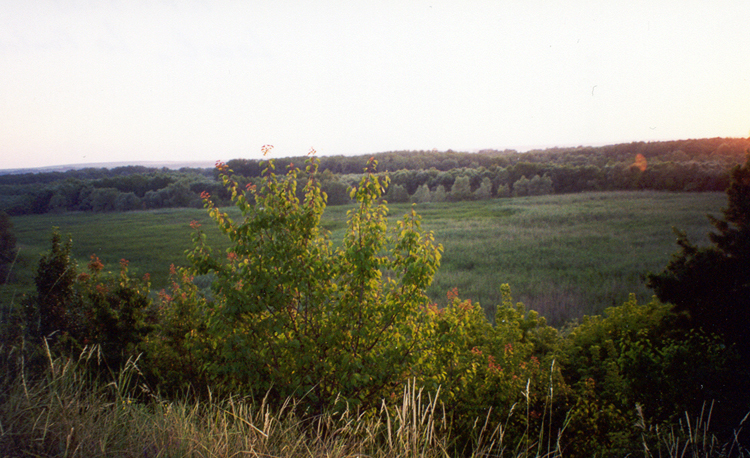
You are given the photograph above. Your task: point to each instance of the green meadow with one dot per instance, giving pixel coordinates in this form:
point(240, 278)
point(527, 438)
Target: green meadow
point(563, 255)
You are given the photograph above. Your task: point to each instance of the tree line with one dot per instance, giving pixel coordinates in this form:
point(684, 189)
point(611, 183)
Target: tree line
point(417, 176)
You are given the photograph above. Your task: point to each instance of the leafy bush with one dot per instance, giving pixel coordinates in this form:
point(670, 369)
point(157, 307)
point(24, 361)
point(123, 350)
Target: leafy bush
point(115, 312)
point(174, 350)
point(291, 316)
point(632, 357)
point(461, 189)
point(486, 371)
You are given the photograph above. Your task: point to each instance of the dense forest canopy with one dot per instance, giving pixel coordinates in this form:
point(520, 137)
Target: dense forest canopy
point(419, 176)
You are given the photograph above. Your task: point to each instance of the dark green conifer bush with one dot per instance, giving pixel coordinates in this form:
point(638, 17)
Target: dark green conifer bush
point(72, 310)
point(712, 284)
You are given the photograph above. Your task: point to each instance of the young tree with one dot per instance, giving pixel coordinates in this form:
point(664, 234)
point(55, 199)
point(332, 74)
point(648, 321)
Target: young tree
point(422, 194)
point(461, 189)
point(521, 187)
point(127, 201)
point(503, 191)
point(336, 191)
point(484, 191)
point(104, 199)
point(539, 186)
point(439, 194)
point(397, 194)
point(291, 316)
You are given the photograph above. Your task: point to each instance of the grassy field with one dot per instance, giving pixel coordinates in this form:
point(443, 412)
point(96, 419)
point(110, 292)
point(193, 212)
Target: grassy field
point(568, 255)
point(563, 255)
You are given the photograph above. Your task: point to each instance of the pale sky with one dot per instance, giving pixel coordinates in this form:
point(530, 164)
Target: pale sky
point(96, 81)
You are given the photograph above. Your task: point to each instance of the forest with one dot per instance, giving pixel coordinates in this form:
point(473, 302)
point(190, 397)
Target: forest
point(296, 346)
point(418, 176)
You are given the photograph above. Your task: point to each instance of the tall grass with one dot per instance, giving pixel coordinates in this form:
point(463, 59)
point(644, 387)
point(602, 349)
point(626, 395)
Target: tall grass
point(64, 413)
point(689, 438)
point(67, 413)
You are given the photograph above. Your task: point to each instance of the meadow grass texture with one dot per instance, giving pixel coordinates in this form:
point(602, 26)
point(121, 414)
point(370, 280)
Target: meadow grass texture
point(563, 255)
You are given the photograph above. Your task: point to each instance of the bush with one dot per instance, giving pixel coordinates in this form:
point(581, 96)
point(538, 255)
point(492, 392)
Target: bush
point(174, 349)
point(632, 357)
point(397, 194)
point(291, 316)
point(115, 313)
point(422, 195)
point(484, 191)
point(439, 194)
point(72, 310)
point(461, 189)
point(486, 372)
point(49, 312)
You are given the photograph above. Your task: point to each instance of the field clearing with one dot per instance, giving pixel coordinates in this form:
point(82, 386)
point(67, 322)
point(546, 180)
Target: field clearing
point(563, 255)
point(567, 255)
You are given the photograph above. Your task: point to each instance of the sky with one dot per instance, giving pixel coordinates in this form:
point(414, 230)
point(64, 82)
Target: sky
point(111, 81)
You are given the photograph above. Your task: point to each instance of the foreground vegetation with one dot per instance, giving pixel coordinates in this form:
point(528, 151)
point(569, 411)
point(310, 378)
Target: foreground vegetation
point(339, 345)
point(62, 413)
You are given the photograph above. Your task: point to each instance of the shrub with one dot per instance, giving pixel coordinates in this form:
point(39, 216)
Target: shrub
point(461, 189)
point(521, 187)
point(397, 194)
point(72, 310)
point(487, 371)
point(439, 194)
point(290, 315)
point(114, 313)
point(631, 357)
point(484, 191)
point(48, 312)
point(422, 195)
point(174, 348)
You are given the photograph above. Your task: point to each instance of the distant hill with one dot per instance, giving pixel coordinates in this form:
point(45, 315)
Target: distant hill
point(702, 150)
point(173, 165)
